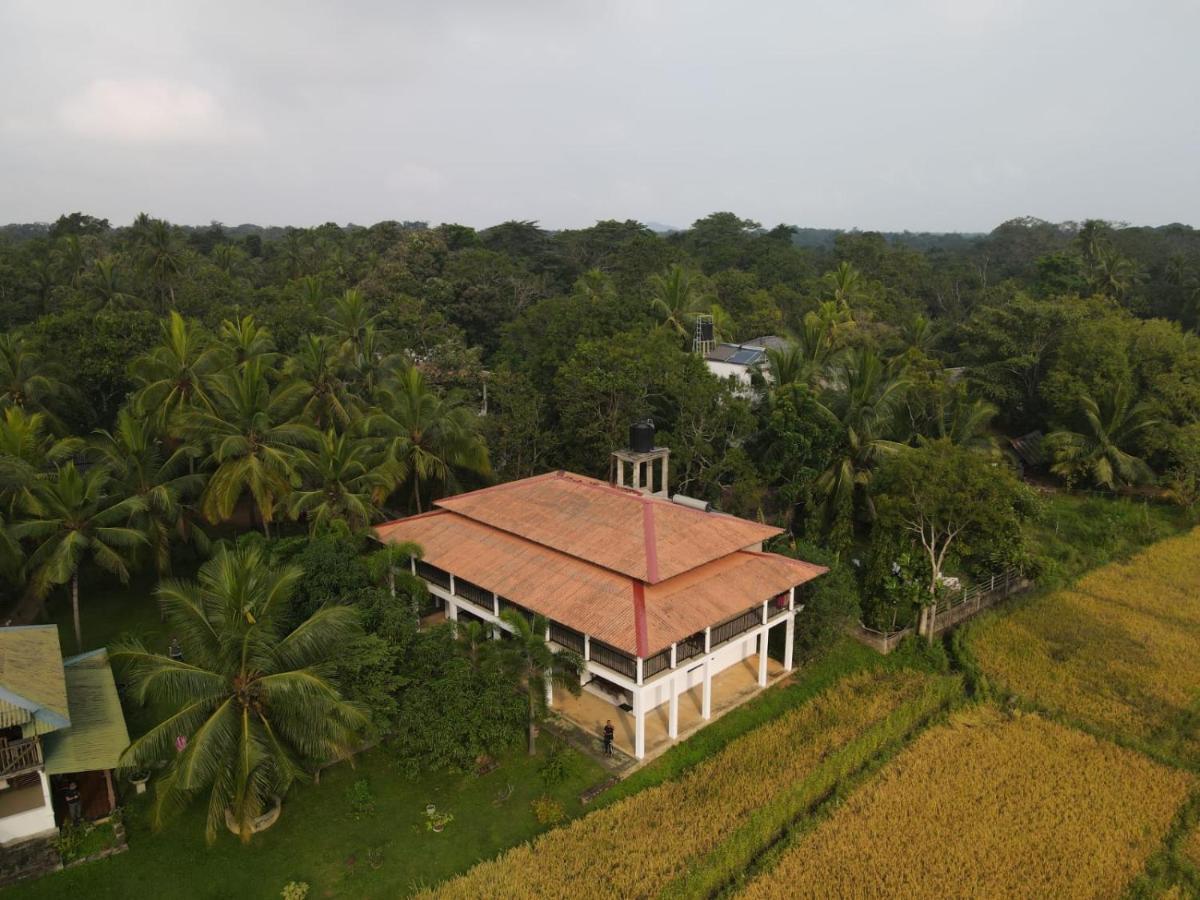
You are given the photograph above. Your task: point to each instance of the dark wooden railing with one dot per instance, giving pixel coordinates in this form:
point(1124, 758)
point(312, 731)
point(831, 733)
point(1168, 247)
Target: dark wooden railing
point(473, 594)
point(652, 665)
point(735, 626)
point(566, 637)
point(777, 605)
point(433, 574)
point(612, 658)
point(20, 756)
point(506, 604)
point(689, 647)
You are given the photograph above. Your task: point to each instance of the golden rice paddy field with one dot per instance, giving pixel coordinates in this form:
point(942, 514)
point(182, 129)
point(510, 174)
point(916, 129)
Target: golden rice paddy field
point(1119, 651)
point(989, 806)
point(635, 847)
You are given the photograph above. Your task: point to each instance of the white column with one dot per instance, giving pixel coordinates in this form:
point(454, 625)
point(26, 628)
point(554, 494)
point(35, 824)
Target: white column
point(452, 590)
point(587, 647)
point(451, 610)
point(639, 724)
point(666, 490)
point(707, 639)
point(673, 663)
point(706, 705)
point(673, 719)
point(637, 476)
point(495, 604)
point(639, 670)
point(764, 617)
point(789, 639)
point(412, 564)
point(762, 658)
point(549, 691)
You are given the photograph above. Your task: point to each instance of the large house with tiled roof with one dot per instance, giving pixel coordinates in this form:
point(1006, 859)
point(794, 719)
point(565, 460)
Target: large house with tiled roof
point(659, 598)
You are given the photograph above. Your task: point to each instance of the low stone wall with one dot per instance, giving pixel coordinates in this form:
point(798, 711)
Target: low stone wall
point(879, 641)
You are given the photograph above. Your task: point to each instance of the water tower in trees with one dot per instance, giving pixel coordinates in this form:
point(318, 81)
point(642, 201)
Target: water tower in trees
point(704, 337)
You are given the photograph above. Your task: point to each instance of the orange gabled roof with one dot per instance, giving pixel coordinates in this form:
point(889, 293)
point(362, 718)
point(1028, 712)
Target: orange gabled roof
point(647, 538)
point(594, 599)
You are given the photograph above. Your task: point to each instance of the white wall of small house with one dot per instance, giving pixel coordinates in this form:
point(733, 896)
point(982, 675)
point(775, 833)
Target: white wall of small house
point(32, 822)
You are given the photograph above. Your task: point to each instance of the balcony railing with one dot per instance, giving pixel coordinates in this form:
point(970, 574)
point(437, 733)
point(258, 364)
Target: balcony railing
point(777, 605)
point(20, 756)
point(735, 626)
point(473, 594)
point(433, 574)
point(652, 665)
point(612, 658)
point(566, 637)
point(689, 647)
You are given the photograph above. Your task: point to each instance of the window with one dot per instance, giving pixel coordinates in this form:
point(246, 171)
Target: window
point(612, 658)
point(433, 574)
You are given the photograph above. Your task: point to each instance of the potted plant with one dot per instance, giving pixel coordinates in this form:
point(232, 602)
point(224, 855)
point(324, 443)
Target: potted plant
point(430, 809)
point(138, 779)
point(437, 821)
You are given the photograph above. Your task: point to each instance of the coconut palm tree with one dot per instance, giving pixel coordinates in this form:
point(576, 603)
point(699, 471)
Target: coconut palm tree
point(318, 369)
point(845, 285)
point(142, 467)
point(862, 399)
point(106, 284)
point(390, 566)
point(175, 376)
point(677, 295)
point(28, 381)
point(163, 259)
point(538, 666)
point(251, 434)
point(254, 705)
point(432, 439)
point(244, 341)
point(348, 324)
point(342, 478)
point(71, 517)
point(1102, 449)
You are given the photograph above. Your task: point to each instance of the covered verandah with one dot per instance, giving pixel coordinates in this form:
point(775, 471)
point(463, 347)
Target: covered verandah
point(730, 688)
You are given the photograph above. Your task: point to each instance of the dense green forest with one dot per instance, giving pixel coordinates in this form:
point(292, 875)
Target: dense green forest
point(180, 381)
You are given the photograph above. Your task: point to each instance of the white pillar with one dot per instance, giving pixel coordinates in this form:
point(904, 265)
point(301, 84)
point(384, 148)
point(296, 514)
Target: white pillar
point(639, 724)
point(673, 662)
point(764, 614)
point(639, 670)
point(412, 564)
point(451, 610)
point(549, 690)
point(706, 705)
point(762, 658)
point(666, 491)
point(587, 647)
point(707, 639)
point(452, 590)
point(789, 639)
point(495, 604)
point(673, 719)
point(637, 476)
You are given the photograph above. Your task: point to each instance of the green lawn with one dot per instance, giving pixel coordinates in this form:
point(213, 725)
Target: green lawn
point(319, 841)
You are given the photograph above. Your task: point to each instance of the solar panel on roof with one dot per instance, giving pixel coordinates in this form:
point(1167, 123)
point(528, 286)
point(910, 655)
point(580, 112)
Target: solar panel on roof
point(746, 357)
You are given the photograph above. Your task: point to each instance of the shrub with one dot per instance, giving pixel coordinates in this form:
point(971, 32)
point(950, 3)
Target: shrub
point(557, 764)
point(361, 799)
point(294, 890)
point(548, 811)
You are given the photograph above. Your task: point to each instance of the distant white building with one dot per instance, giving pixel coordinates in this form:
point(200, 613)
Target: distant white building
point(740, 360)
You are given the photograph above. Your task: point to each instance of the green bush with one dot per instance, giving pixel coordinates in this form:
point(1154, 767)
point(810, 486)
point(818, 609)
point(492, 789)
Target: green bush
point(360, 799)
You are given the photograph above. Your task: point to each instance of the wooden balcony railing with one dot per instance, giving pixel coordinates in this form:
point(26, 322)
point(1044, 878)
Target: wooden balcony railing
point(20, 756)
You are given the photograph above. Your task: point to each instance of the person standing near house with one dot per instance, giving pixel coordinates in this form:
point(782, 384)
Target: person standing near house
point(73, 800)
point(609, 733)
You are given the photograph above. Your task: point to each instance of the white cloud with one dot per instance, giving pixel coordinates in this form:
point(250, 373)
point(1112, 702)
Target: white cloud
point(147, 111)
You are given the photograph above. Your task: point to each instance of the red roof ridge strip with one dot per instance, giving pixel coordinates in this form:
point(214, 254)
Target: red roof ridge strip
point(639, 618)
point(651, 542)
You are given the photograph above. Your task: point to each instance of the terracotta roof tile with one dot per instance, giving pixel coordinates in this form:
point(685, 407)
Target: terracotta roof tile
point(647, 538)
point(592, 598)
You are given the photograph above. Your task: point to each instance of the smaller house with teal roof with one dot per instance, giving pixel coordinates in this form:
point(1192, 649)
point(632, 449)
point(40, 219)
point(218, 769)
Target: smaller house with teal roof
point(60, 721)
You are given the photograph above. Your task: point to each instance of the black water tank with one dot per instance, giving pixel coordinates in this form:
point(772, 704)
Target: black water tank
point(706, 331)
point(641, 436)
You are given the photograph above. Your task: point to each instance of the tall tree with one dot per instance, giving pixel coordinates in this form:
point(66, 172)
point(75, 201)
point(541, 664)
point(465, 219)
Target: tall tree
point(73, 517)
point(251, 434)
point(1102, 450)
point(175, 376)
point(433, 440)
point(676, 296)
point(27, 380)
point(539, 667)
point(342, 478)
point(254, 701)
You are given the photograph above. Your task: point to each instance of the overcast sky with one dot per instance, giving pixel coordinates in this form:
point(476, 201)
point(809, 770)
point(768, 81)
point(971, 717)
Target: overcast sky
point(934, 115)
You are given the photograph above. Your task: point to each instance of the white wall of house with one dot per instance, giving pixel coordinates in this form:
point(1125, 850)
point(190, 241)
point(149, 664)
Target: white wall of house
point(32, 822)
point(657, 690)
